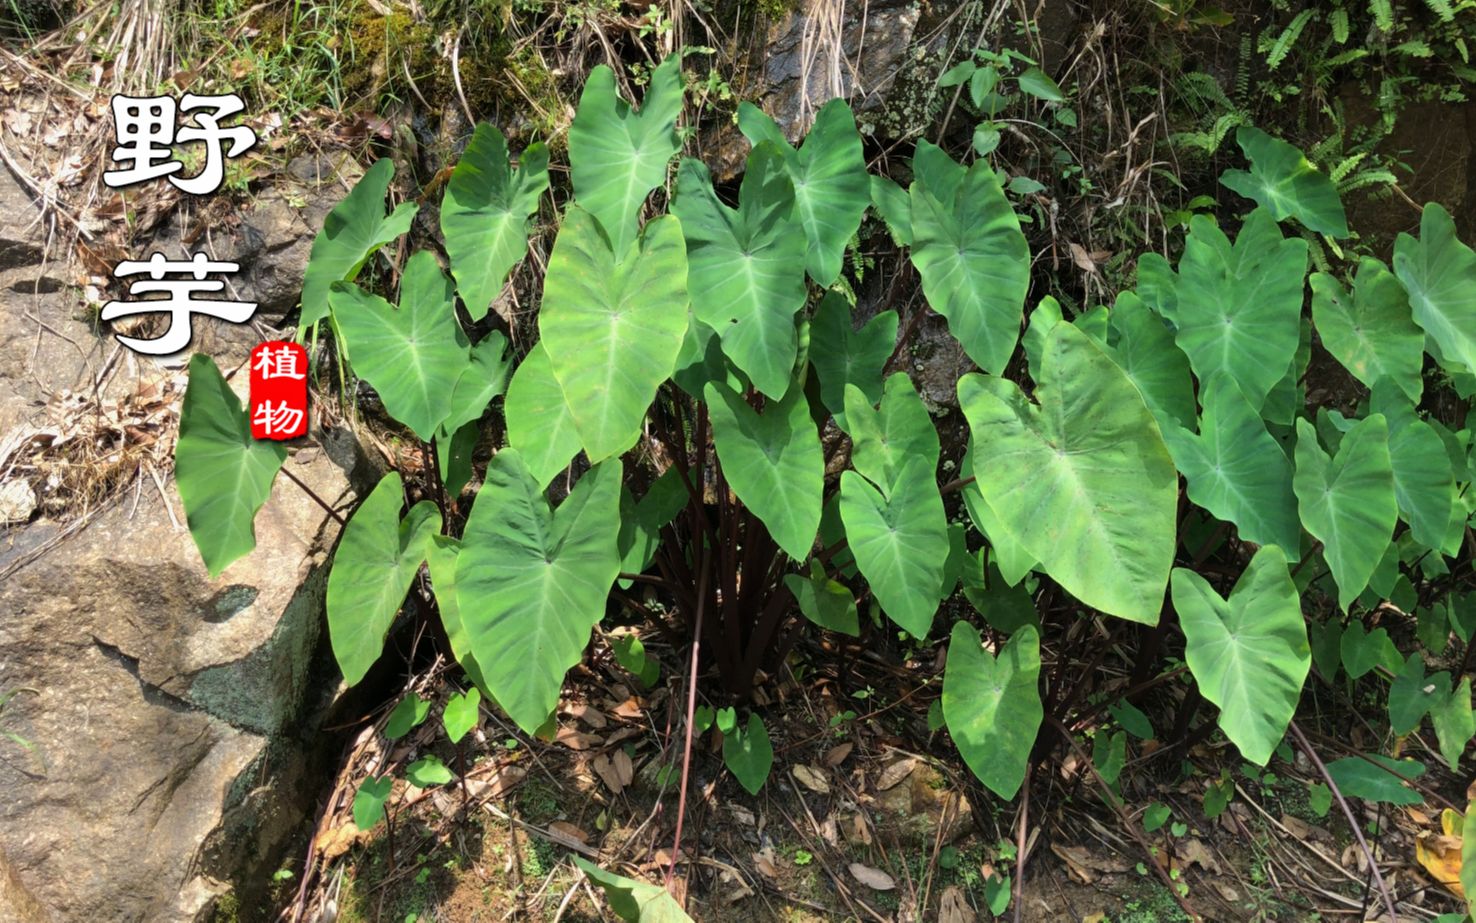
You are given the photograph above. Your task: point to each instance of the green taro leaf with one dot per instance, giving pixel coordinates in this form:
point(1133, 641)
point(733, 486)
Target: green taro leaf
point(484, 216)
point(1248, 654)
point(1347, 501)
point(482, 380)
point(1439, 274)
point(1006, 608)
point(377, 559)
point(369, 801)
point(892, 203)
point(886, 440)
point(1424, 485)
point(634, 901)
point(1034, 81)
point(1005, 551)
point(992, 705)
point(461, 714)
point(1237, 308)
point(748, 754)
point(899, 538)
point(412, 355)
point(1454, 724)
point(641, 522)
point(428, 771)
point(352, 232)
point(968, 249)
point(532, 582)
point(1377, 778)
point(440, 560)
point(1408, 700)
point(1082, 480)
point(746, 266)
point(1371, 331)
point(823, 601)
point(1286, 183)
point(773, 462)
point(618, 155)
point(1360, 652)
point(539, 423)
point(612, 325)
point(842, 356)
point(831, 188)
point(408, 714)
point(223, 475)
point(1468, 860)
point(1236, 469)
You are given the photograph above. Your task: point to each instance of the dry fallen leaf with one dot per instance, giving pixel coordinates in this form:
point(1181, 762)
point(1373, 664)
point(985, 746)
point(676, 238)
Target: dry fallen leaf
point(875, 879)
point(1298, 827)
point(575, 740)
point(624, 768)
point(565, 829)
point(604, 767)
point(811, 778)
point(837, 754)
point(859, 830)
point(895, 773)
point(592, 717)
point(954, 908)
point(339, 840)
point(1440, 854)
point(1193, 852)
point(763, 860)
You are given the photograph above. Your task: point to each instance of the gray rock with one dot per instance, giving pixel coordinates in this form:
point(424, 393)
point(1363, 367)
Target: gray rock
point(169, 711)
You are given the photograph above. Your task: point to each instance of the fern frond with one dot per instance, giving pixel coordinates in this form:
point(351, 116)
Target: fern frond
point(1383, 14)
point(1441, 8)
point(1288, 39)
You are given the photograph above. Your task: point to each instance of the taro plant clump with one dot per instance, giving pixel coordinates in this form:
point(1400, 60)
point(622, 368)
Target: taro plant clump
point(723, 430)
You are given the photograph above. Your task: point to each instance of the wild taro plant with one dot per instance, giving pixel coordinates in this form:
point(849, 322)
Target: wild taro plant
point(731, 437)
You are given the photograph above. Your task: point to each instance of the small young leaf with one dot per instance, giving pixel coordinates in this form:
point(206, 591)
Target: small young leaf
point(992, 705)
point(408, 714)
point(428, 771)
point(369, 801)
point(1454, 723)
point(1034, 81)
point(634, 901)
point(352, 232)
point(824, 601)
point(461, 714)
point(1155, 816)
point(748, 754)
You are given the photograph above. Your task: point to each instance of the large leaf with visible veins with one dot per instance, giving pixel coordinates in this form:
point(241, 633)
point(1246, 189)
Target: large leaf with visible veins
point(617, 154)
point(531, 582)
point(1284, 181)
point(352, 232)
point(612, 325)
point(1082, 479)
point(1439, 274)
point(1249, 654)
point(992, 706)
point(968, 249)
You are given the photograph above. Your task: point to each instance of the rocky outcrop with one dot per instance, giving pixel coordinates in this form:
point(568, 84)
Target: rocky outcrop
point(165, 708)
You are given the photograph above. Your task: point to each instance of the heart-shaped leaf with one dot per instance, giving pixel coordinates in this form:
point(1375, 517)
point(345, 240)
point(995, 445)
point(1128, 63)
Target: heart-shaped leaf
point(352, 232)
point(1377, 778)
point(1248, 654)
point(461, 714)
point(748, 754)
point(223, 475)
point(823, 601)
point(1347, 501)
point(369, 801)
point(973, 260)
point(412, 355)
point(532, 582)
point(1286, 183)
point(899, 539)
point(428, 771)
point(1454, 723)
point(773, 462)
point(842, 356)
point(886, 440)
point(618, 155)
point(1371, 331)
point(746, 266)
point(612, 325)
point(1006, 608)
point(831, 189)
point(1408, 700)
point(1238, 307)
point(539, 423)
point(992, 705)
point(1082, 481)
point(378, 557)
point(1362, 651)
point(641, 522)
point(1437, 271)
point(1236, 469)
point(408, 714)
point(484, 216)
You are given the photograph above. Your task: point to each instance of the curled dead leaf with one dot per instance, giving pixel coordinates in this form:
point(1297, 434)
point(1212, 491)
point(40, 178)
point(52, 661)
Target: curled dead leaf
point(811, 778)
point(837, 754)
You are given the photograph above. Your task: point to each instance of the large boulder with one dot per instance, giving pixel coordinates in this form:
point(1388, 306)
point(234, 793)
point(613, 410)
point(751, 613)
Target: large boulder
point(168, 712)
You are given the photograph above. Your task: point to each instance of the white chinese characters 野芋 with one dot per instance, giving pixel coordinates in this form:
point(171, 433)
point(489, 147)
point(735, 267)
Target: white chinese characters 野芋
point(147, 127)
point(180, 303)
